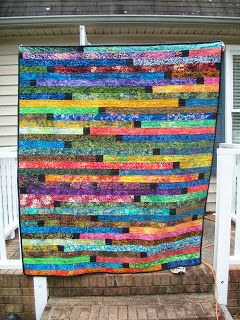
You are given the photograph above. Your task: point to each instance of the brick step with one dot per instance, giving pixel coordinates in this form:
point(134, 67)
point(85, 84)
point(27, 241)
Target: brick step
point(141, 307)
point(196, 280)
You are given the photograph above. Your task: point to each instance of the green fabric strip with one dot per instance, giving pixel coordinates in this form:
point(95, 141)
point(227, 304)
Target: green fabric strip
point(175, 198)
point(56, 260)
point(27, 110)
point(164, 260)
point(178, 124)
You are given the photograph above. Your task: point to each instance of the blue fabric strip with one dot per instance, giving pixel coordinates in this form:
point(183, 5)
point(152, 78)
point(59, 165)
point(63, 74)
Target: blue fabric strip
point(166, 138)
point(70, 229)
point(152, 250)
point(133, 117)
point(150, 48)
point(91, 76)
point(41, 144)
point(74, 62)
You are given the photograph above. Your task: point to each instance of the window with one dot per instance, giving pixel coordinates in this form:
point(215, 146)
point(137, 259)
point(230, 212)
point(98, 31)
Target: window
point(232, 98)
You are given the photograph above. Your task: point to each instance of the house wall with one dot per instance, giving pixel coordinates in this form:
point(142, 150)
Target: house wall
point(9, 76)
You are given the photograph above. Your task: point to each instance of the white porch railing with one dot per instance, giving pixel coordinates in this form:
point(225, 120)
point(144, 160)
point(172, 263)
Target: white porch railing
point(8, 205)
point(9, 222)
point(228, 209)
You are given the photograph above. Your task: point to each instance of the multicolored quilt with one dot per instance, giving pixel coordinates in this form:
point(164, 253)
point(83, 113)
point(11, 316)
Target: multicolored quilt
point(115, 153)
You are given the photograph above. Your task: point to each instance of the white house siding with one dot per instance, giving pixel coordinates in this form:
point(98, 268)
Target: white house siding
point(9, 88)
point(8, 97)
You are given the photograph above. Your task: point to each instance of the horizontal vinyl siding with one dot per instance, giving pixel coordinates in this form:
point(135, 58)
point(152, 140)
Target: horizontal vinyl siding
point(8, 98)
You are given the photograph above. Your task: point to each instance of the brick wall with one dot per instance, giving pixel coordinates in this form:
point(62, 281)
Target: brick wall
point(197, 279)
point(16, 290)
point(234, 290)
point(16, 294)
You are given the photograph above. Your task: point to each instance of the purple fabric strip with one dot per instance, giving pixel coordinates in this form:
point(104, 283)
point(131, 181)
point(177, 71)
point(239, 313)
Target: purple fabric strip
point(115, 83)
point(103, 192)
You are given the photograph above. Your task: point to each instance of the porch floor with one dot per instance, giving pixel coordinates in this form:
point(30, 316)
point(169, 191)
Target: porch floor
point(152, 307)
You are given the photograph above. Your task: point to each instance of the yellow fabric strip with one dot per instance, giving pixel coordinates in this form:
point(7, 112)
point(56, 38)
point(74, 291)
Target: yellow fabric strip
point(150, 230)
point(159, 158)
point(187, 88)
point(136, 179)
point(100, 103)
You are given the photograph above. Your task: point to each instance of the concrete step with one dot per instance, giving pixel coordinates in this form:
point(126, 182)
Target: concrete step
point(141, 307)
point(196, 280)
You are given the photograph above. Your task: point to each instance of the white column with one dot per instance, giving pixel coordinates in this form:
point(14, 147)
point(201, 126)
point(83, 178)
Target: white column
point(225, 171)
point(40, 295)
point(83, 36)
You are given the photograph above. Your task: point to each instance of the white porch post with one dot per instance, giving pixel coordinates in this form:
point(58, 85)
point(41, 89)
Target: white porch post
point(40, 295)
point(225, 173)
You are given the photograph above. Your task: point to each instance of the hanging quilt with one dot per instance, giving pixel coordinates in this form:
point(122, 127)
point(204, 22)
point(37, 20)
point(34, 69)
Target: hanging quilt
point(115, 154)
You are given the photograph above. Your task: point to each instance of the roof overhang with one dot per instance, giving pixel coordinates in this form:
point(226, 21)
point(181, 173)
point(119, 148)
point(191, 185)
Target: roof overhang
point(123, 28)
point(106, 19)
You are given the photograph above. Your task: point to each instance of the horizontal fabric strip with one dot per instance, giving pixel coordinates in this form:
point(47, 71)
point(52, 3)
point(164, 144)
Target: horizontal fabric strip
point(82, 62)
point(174, 198)
point(73, 124)
point(119, 55)
point(96, 103)
point(177, 60)
point(150, 131)
point(135, 179)
point(129, 91)
point(91, 76)
point(120, 62)
point(27, 200)
point(62, 94)
point(29, 180)
point(187, 88)
point(47, 110)
point(149, 139)
point(113, 192)
point(80, 141)
point(107, 151)
point(92, 270)
point(39, 121)
point(56, 260)
point(185, 243)
point(149, 259)
point(162, 138)
point(155, 158)
point(125, 110)
point(125, 48)
point(178, 124)
point(97, 165)
point(163, 118)
point(111, 82)
point(106, 264)
point(184, 227)
point(50, 130)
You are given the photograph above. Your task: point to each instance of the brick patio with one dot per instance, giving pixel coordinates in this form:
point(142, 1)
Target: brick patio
point(151, 307)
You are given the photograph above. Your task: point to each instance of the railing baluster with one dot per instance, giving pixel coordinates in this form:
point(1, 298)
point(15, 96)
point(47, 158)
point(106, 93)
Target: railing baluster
point(8, 205)
point(3, 251)
point(237, 229)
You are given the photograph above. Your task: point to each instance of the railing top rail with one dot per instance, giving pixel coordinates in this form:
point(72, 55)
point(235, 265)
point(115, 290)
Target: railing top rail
point(8, 152)
point(5, 155)
point(229, 149)
point(9, 149)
